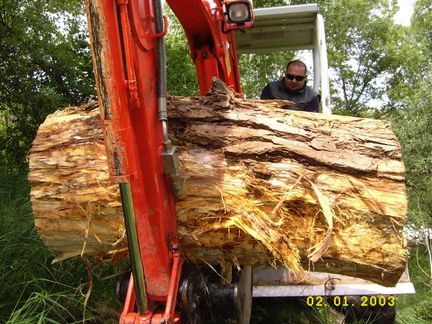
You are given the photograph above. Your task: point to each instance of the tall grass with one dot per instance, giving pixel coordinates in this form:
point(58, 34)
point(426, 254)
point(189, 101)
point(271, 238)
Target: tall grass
point(417, 308)
point(32, 289)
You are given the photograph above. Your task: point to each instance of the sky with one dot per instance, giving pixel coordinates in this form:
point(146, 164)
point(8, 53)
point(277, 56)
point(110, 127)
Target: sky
point(403, 16)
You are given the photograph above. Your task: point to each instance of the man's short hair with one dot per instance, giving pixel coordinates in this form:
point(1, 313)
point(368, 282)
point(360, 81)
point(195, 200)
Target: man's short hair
point(298, 63)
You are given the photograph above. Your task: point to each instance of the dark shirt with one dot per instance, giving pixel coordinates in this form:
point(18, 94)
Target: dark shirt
point(306, 99)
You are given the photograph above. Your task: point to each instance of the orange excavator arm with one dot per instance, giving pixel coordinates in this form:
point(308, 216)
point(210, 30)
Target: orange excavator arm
point(129, 62)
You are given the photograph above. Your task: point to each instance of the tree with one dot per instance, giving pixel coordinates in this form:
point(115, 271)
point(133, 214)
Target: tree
point(361, 36)
point(413, 121)
point(422, 23)
point(45, 63)
point(412, 126)
point(181, 75)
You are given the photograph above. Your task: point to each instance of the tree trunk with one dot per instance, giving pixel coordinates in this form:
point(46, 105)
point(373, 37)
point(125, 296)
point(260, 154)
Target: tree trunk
point(261, 184)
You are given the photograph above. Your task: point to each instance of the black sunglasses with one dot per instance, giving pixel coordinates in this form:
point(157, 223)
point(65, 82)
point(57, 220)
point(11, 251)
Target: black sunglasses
point(297, 77)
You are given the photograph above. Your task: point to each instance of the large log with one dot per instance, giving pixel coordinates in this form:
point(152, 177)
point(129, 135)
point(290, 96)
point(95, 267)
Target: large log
point(261, 184)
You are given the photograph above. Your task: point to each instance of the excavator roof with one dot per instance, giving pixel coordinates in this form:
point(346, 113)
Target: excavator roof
point(279, 28)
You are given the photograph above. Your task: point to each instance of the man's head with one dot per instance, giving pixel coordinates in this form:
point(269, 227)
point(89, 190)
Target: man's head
point(295, 76)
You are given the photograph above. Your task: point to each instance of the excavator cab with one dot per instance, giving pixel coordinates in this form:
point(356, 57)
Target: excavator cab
point(298, 27)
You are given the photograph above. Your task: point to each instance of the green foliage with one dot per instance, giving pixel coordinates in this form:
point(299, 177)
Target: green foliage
point(422, 23)
point(33, 290)
point(45, 64)
point(270, 3)
point(411, 71)
point(413, 127)
point(413, 121)
point(181, 75)
point(414, 54)
point(361, 36)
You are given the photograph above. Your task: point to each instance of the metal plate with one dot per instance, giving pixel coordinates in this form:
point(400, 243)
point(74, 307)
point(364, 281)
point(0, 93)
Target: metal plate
point(279, 28)
point(279, 282)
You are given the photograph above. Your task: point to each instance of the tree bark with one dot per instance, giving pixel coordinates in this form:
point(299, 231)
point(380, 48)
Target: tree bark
point(260, 184)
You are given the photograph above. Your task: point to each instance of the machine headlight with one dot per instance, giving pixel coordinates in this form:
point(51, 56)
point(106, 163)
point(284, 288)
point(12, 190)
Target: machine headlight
point(238, 12)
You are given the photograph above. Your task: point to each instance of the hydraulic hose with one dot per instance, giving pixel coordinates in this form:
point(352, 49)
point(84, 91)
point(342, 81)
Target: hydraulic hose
point(134, 250)
point(169, 154)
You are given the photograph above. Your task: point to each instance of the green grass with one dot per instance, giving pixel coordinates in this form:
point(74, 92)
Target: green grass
point(34, 290)
point(417, 308)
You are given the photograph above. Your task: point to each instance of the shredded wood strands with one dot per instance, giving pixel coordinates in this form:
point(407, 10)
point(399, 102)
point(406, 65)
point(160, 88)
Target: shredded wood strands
point(250, 219)
point(318, 250)
point(255, 221)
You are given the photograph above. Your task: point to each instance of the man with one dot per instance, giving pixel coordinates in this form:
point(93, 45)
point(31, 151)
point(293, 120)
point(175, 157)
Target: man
point(293, 87)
